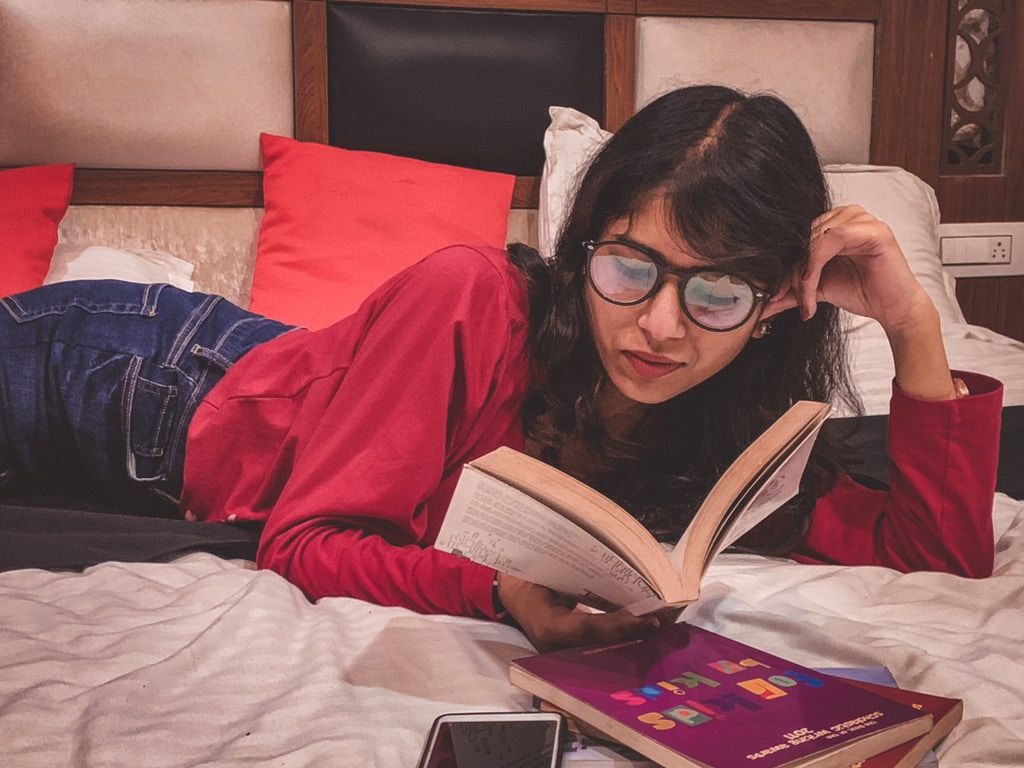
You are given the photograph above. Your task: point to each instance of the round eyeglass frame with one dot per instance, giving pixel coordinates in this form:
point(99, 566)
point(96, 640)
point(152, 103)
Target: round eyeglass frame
point(684, 276)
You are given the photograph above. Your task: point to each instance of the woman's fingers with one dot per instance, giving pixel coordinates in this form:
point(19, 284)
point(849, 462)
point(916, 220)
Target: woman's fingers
point(821, 249)
point(853, 233)
point(578, 627)
point(833, 216)
point(802, 290)
point(551, 621)
point(583, 628)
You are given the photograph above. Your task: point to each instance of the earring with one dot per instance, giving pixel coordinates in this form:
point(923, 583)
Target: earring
point(764, 328)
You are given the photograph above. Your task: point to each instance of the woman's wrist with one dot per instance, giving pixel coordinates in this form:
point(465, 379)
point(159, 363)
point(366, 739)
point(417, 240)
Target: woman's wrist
point(919, 356)
point(501, 612)
point(919, 316)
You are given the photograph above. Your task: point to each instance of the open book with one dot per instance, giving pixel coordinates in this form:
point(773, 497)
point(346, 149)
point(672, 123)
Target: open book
point(521, 516)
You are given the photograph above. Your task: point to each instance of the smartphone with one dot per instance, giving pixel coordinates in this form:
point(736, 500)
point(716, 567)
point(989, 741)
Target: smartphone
point(495, 740)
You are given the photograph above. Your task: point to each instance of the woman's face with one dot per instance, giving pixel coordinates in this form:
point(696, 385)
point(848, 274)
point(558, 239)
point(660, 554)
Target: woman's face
point(652, 351)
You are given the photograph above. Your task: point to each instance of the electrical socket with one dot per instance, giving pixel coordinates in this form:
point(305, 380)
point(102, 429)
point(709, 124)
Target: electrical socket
point(982, 249)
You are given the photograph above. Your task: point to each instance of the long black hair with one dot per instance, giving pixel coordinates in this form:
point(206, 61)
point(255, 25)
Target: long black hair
point(742, 183)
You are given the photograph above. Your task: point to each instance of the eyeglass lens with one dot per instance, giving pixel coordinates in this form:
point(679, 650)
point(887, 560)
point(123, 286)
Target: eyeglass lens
point(715, 300)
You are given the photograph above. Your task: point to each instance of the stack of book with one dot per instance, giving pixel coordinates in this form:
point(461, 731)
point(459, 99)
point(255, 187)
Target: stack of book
point(685, 697)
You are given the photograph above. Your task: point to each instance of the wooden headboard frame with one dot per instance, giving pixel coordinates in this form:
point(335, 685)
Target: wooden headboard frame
point(913, 62)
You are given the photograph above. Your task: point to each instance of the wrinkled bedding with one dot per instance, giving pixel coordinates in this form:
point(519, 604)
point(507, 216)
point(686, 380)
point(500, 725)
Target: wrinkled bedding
point(204, 661)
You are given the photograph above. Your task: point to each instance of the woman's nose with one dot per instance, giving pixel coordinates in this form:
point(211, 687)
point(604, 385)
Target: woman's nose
point(663, 316)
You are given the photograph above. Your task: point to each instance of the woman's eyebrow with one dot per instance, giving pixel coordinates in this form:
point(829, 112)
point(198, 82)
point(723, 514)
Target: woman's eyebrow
point(657, 255)
point(627, 240)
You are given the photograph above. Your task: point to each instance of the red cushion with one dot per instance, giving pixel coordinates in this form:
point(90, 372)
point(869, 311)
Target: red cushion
point(339, 222)
point(33, 200)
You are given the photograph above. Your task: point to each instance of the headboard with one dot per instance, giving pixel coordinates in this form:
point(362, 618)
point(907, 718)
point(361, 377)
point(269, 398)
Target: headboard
point(160, 102)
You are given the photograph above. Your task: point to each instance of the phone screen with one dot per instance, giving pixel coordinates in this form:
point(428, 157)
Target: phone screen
point(494, 744)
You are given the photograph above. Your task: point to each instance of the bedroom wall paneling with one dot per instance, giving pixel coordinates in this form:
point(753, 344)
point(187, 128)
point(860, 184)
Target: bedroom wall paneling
point(1013, 152)
point(835, 59)
point(995, 302)
point(146, 96)
point(907, 99)
point(912, 41)
point(912, 46)
point(143, 84)
point(556, 6)
point(94, 186)
point(998, 194)
point(805, 10)
point(466, 87)
point(974, 87)
point(619, 69)
point(309, 52)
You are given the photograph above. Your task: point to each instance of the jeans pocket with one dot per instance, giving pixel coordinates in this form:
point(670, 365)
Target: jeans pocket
point(149, 412)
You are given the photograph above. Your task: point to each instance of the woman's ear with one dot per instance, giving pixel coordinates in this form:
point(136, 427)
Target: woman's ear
point(762, 329)
point(783, 300)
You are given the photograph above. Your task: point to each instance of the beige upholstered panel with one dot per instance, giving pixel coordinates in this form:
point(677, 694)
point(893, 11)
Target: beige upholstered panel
point(143, 83)
point(522, 226)
point(221, 242)
point(822, 69)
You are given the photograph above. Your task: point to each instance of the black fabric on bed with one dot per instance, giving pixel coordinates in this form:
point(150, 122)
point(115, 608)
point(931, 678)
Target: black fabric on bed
point(56, 531)
point(48, 530)
point(868, 442)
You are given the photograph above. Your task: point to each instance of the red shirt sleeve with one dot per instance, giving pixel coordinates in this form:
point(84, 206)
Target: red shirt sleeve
point(937, 515)
point(436, 377)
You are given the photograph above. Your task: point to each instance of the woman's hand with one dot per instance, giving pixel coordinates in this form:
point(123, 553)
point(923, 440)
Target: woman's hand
point(855, 263)
point(550, 622)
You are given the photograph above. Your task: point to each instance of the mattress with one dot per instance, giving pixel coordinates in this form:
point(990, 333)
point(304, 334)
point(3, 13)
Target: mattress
point(204, 661)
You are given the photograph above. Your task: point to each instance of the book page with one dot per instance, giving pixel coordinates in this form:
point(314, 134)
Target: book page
point(781, 486)
point(764, 473)
point(585, 507)
point(496, 525)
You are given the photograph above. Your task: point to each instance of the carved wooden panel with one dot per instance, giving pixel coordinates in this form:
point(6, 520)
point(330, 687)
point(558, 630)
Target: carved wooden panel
point(981, 165)
point(975, 88)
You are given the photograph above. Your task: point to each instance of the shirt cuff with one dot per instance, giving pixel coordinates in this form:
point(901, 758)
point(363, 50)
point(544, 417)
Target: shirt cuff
point(985, 398)
point(477, 587)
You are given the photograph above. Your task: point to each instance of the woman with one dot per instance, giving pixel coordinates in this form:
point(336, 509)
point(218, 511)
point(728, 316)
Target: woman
point(680, 317)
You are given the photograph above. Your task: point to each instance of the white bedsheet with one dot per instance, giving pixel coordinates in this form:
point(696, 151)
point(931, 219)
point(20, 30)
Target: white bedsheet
point(207, 662)
point(968, 347)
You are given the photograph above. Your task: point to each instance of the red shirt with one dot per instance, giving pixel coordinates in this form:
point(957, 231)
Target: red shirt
point(937, 515)
point(347, 442)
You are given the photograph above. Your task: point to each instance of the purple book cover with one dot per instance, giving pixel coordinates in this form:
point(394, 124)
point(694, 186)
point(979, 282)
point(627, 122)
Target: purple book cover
point(715, 700)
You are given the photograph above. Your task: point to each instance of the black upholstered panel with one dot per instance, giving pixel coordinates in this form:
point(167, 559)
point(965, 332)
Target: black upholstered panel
point(464, 87)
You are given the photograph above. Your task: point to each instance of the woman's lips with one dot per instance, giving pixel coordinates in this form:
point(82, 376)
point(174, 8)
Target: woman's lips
point(651, 366)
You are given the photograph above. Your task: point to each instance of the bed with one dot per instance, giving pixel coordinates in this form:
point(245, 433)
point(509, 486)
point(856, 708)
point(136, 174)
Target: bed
point(199, 659)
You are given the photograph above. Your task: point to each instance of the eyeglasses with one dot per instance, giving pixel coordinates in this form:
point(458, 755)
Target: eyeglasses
point(627, 274)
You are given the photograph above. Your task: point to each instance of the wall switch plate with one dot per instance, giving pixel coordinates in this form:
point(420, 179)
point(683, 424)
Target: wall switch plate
point(984, 249)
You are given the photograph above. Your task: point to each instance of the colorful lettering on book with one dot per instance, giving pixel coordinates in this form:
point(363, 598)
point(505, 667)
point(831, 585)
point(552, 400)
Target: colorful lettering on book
point(698, 709)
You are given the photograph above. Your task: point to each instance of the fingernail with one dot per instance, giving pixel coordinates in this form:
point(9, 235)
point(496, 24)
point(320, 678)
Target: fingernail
point(805, 314)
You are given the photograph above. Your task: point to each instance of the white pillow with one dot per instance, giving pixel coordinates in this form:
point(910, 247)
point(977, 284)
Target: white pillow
point(99, 262)
point(897, 197)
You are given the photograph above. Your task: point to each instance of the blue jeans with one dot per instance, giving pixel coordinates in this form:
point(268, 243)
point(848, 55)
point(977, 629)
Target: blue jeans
point(100, 379)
